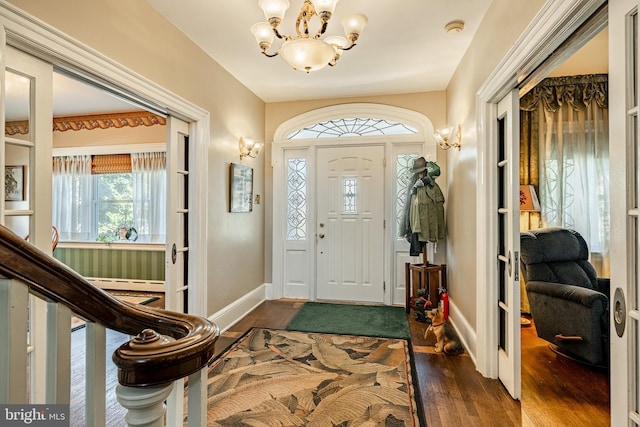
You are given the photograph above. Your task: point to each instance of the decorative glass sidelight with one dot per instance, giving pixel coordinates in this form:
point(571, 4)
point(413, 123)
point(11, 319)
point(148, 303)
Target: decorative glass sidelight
point(349, 195)
point(297, 199)
point(341, 128)
point(404, 164)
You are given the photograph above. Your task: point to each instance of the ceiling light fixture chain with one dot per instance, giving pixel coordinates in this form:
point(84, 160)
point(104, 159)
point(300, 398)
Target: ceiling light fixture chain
point(305, 52)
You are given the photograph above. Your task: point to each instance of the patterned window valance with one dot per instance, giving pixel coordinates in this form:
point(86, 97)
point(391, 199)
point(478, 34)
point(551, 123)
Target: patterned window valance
point(98, 121)
point(576, 92)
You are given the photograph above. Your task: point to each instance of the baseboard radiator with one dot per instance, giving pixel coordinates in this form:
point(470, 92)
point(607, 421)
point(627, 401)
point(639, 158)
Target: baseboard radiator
point(128, 284)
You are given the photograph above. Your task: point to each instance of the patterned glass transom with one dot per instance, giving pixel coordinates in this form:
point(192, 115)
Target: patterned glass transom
point(344, 128)
point(297, 199)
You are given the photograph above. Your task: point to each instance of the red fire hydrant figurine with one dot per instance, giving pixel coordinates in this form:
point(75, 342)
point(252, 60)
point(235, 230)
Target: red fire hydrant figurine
point(444, 302)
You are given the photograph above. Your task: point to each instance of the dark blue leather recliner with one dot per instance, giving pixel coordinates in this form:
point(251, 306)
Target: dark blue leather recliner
point(569, 304)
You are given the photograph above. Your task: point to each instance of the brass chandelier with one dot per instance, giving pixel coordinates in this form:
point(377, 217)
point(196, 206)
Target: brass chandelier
point(306, 52)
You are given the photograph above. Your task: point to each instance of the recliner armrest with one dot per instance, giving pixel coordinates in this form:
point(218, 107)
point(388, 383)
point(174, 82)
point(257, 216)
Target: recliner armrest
point(577, 294)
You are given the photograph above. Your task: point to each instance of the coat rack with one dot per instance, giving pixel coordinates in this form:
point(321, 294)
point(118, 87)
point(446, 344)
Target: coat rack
point(431, 277)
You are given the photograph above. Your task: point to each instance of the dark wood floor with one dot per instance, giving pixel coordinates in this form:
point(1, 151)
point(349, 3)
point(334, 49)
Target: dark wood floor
point(555, 391)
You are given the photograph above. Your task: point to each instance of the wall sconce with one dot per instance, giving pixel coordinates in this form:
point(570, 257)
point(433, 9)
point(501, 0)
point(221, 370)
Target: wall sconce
point(529, 199)
point(249, 147)
point(443, 136)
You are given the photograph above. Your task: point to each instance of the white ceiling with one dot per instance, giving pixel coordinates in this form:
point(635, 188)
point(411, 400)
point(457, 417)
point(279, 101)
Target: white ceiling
point(403, 49)
point(71, 97)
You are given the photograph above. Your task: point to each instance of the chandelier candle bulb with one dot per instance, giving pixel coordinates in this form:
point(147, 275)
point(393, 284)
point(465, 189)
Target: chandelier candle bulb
point(274, 10)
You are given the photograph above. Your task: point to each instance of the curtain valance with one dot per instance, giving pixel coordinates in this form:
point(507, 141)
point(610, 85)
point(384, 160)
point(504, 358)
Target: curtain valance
point(576, 92)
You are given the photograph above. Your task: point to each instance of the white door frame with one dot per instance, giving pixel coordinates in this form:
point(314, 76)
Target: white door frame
point(281, 144)
point(556, 22)
point(45, 42)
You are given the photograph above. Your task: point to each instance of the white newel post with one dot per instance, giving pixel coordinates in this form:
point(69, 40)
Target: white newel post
point(145, 405)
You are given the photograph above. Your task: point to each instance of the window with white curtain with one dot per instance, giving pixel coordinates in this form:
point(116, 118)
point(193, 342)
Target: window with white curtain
point(110, 198)
point(572, 124)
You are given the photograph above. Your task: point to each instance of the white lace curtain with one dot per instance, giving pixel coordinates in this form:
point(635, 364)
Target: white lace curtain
point(72, 181)
point(73, 196)
point(574, 158)
point(149, 195)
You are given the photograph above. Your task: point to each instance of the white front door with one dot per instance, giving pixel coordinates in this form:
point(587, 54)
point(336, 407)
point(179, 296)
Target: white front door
point(350, 224)
point(508, 212)
point(624, 152)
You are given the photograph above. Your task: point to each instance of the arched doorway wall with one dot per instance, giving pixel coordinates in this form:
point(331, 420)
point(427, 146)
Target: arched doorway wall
point(295, 189)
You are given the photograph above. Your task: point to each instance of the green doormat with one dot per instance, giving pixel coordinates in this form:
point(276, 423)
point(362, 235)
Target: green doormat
point(367, 320)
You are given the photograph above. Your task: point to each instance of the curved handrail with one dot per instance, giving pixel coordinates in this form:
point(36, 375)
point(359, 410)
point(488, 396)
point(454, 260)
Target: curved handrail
point(168, 345)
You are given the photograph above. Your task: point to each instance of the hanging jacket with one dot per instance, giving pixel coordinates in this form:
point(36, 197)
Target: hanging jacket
point(430, 208)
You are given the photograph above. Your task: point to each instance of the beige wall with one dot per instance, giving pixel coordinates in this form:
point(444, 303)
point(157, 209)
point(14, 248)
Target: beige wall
point(430, 104)
point(135, 35)
point(498, 31)
point(110, 136)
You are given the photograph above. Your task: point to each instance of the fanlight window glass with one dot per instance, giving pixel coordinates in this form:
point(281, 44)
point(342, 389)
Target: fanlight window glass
point(345, 128)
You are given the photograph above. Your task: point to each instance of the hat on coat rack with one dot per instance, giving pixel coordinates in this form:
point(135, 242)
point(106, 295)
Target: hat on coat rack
point(419, 165)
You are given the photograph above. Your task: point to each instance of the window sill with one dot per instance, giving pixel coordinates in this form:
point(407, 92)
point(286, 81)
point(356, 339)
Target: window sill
point(131, 246)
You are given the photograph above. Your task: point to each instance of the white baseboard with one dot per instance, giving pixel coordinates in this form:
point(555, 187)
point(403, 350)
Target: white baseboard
point(466, 333)
point(231, 314)
point(268, 291)
point(128, 284)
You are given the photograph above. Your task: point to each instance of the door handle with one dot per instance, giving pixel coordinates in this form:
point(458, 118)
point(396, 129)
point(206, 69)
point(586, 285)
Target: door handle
point(619, 312)
point(321, 235)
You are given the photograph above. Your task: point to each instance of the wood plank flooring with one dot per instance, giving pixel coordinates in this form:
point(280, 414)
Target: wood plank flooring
point(556, 392)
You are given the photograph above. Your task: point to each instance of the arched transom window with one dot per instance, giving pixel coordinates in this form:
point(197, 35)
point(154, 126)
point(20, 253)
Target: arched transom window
point(344, 128)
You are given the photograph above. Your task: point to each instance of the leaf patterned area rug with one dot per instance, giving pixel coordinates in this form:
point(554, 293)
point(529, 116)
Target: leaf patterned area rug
point(288, 378)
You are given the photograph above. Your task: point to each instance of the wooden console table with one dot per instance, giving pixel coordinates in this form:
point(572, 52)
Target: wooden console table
point(421, 276)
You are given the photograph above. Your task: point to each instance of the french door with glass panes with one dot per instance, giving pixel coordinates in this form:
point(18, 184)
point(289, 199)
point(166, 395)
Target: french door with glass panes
point(624, 157)
point(25, 209)
point(508, 239)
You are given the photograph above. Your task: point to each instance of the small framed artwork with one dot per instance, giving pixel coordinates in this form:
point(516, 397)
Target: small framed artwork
point(241, 194)
point(14, 183)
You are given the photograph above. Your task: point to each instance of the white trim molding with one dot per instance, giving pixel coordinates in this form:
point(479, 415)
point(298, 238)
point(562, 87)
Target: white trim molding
point(466, 333)
point(232, 313)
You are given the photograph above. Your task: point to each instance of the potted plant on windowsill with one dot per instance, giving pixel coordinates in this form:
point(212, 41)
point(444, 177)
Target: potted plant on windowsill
point(106, 238)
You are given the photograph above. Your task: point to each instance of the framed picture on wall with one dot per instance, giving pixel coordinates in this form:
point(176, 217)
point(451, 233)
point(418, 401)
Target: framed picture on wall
point(241, 194)
point(14, 183)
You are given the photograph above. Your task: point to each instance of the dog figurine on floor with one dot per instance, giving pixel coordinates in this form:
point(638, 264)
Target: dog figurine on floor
point(446, 338)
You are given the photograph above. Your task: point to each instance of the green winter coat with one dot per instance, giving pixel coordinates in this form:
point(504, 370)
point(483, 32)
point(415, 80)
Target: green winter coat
point(427, 215)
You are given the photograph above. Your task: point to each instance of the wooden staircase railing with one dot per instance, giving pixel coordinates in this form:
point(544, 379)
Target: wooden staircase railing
point(167, 346)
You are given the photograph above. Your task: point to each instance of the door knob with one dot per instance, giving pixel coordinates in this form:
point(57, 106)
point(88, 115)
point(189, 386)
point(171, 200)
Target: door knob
point(321, 235)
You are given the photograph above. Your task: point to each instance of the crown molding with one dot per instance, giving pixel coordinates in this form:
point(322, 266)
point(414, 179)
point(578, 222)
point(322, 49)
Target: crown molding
point(91, 122)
